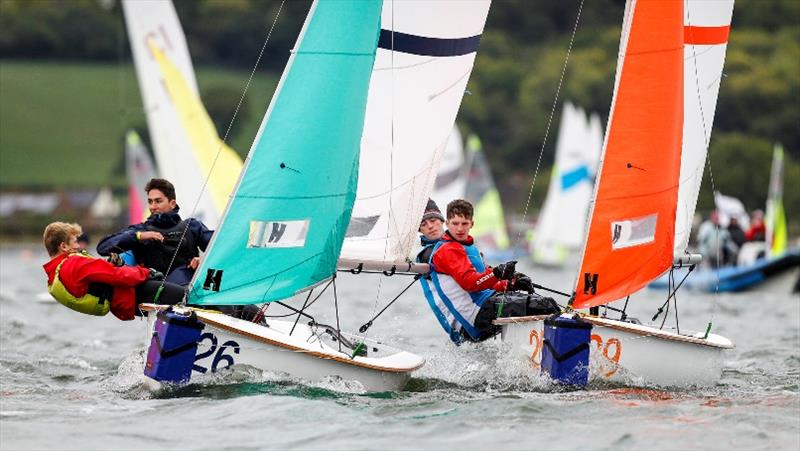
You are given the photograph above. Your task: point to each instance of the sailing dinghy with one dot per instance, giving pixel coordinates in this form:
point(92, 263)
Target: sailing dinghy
point(324, 189)
point(665, 92)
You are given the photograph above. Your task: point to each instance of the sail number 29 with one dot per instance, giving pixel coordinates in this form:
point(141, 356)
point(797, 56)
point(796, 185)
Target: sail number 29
point(611, 350)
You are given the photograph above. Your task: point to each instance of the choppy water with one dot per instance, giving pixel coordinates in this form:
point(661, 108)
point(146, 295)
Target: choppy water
point(69, 381)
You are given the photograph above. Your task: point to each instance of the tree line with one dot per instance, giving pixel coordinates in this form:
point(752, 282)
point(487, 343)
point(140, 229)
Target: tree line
point(516, 77)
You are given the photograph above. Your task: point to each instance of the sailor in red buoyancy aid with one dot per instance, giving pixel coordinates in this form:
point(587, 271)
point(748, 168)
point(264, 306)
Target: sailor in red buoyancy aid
point(465, 294)
point(94, 286)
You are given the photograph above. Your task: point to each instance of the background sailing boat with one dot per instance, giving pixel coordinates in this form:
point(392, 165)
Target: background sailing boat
point(768, 266)
point(562, 220)
point(184, 139)
point(139, 169)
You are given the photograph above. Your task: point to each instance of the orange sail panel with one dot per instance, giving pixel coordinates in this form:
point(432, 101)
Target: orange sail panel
point(633, 219)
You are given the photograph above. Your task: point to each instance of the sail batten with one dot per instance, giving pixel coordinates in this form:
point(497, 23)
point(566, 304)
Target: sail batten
point(283, 229)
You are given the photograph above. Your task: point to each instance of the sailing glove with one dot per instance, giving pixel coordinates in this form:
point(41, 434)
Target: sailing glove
point(115, 259)
point(521, 282)
point(505, 271)
point(155, 274)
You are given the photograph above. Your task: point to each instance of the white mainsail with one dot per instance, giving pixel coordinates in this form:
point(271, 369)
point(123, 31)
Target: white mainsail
point(414, 95)
point(706, 28)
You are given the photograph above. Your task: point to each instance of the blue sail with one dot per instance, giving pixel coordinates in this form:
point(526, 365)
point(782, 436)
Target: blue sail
point(283, 228)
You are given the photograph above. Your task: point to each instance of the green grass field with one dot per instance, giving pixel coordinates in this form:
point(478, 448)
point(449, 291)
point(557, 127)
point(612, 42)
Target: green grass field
point(62, 124)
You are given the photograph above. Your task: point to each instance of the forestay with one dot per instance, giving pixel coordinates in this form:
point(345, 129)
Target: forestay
point(283, 229)
point(425, 57)
point(185, 141)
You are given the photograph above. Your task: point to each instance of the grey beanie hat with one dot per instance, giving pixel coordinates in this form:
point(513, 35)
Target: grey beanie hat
point(432, 212)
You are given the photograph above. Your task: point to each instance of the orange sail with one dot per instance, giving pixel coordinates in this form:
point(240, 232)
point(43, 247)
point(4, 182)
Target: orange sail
point(631, 231)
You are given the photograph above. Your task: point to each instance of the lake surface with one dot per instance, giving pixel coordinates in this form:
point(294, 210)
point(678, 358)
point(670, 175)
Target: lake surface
point(70, 381)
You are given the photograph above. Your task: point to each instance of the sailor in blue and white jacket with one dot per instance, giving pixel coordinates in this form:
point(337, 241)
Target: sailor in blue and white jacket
point(461, 290)
point(458, 286)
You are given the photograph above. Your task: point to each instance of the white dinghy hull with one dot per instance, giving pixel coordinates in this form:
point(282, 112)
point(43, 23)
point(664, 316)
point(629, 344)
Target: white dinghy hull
point(630, 354)
point(306, 353)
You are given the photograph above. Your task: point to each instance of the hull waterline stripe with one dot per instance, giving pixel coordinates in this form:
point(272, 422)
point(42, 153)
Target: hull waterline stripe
point(706, 35)
point(424, 46)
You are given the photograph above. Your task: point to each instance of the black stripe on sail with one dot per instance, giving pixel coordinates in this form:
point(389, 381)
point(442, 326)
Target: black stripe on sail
point(420, 45)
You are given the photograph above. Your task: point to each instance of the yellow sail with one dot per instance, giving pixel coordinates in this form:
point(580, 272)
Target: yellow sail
point(209, 150)
point(776, 217)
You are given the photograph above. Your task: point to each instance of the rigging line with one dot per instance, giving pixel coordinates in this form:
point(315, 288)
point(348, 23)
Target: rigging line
point(550, 120)
point(336, 306)
point(221, 146)
point(325, 288)
point(238, 106)
point(305, 303)
point(297, 312)
point(368, 324)
point(672, 289)
point(677, 323)
point(121, 85)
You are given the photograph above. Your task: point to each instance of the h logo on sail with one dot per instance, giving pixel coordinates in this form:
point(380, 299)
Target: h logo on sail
point(277, 234)
point(213, 280)
point(590, 283)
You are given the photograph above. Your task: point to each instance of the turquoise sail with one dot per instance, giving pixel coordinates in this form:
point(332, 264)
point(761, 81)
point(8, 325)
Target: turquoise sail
point(283, 229)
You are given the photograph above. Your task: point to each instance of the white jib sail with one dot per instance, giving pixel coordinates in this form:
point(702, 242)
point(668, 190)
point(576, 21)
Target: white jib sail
point(706, 25)
point(414, 96)
point(157, 23)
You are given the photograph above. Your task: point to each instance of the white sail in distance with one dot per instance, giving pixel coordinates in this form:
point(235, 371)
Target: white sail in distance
point(451, 179)
point(562, 221)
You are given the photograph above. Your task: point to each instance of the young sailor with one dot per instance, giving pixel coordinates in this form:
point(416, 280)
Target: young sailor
point(465, 294)
point(164, 241)
point(94, 286)
point(432, 229)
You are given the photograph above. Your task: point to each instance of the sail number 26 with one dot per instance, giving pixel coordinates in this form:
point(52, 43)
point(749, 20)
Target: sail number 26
point(217, 351)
